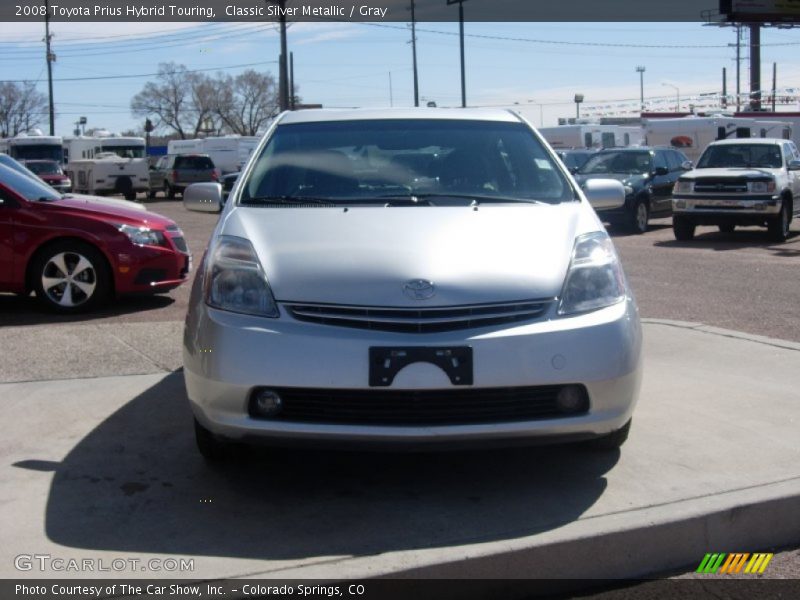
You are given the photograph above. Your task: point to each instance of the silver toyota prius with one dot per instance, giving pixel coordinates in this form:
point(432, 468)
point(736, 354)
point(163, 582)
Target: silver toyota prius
point(414, 277)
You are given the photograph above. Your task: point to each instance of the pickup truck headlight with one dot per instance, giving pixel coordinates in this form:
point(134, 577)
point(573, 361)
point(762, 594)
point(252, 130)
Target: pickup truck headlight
point(683, 187)
point(761, 187)
point(235, 280)
point(594, 278)
point(142, 236)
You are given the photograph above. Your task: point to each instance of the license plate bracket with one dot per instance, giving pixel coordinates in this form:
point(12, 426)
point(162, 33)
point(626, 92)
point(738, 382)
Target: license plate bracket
point(385, 362)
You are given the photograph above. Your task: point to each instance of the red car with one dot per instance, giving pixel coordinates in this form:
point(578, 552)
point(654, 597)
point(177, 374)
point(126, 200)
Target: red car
point(51, 173)
point(75, 252)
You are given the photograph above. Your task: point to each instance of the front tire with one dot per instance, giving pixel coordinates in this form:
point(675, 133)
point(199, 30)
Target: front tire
point(168, 191)
point(683, 229)
point(640, 217)
point(778, 228)
point(71, 277)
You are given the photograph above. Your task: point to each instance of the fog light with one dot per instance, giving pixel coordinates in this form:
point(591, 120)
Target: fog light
point(572, 399)
point(266, 403)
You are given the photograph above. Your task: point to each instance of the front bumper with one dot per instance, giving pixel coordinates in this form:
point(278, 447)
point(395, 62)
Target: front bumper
point(227, 355)
point(151, 269)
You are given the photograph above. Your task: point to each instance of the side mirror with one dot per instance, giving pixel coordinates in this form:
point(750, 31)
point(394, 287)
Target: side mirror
point(152, 167)
point(203, 197)
point(661, 171)
point(794, 165)
point(604, 194)
point(687, 165)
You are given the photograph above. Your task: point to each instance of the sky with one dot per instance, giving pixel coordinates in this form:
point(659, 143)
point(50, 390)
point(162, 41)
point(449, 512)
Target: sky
point(535, 67)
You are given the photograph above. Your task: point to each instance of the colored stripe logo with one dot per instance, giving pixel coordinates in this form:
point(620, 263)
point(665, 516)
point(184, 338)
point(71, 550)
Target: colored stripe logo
point(734, 563)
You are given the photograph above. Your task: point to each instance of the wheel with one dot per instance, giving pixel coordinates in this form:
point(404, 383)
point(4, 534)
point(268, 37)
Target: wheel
point(71, 277)
point(612, 441)
point(130, 196)
point(778, 228)
point(151, 193)
point(727, 228)
point(168, 191)
point(683, 229)
point(639, 217)
point(211, 447)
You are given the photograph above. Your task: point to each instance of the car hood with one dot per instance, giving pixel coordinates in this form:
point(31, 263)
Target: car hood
point(365, 255)
point(731, 172)
point(109, 208)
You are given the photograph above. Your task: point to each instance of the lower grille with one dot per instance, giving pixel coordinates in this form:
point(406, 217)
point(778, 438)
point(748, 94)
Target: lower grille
point(420, 407)
point(419, 320)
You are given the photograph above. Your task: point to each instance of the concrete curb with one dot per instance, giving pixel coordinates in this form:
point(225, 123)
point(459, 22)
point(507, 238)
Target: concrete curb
point(730, 333)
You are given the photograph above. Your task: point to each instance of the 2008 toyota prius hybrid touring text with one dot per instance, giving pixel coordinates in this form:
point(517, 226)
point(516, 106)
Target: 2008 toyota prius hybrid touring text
point(413, 277)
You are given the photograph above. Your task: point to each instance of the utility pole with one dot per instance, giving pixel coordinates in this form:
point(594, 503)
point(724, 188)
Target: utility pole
point(640, 69)
point(50, 60)
point(291, 80)
point(461, 43)
point(283, 69)
point(738, 67)
point(774, 84)
point(755, 66)
point(414, 53)
point(723, 102)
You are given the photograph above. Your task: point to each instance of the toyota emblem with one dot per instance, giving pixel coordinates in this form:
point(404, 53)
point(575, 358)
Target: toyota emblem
point(419, 289)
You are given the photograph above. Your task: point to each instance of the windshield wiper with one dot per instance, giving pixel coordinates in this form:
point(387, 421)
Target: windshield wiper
point(289, 200)
point(425, 199)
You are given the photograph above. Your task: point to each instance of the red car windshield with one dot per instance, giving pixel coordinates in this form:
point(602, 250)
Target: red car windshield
point(27, 187)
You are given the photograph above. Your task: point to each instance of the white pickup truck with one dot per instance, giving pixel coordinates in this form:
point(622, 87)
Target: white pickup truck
point(740, 182)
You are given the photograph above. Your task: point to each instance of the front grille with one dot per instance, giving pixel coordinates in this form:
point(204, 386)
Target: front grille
point(180, 244)
point(419, 320)
point(420, 407)
point(721, 185)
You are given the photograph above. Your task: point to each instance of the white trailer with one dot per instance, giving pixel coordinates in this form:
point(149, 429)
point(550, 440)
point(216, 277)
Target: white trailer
point(87, 147)
point(108, 173)
point(228, 153)
point(692, 134)
point(770, 119)
point(34, 146)
point(591, 136)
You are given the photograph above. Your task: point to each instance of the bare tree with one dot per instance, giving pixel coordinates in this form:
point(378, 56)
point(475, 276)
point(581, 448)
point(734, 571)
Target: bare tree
point(168, 99)
point(247, 102)
point(21, 107)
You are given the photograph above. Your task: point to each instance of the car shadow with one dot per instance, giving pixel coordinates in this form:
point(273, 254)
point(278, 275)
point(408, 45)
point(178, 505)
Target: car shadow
point(136, 483)
point(744, 238)
point(26, 310)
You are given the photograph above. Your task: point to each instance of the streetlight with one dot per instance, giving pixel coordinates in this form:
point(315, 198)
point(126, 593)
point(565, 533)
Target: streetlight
point(677, 94)
point(640, 70)
point(578, 100)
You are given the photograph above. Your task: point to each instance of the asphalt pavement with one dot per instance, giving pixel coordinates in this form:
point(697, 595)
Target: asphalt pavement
point(100, 463)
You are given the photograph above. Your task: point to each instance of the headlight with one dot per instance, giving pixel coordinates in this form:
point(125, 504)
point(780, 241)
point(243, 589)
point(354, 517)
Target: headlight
point(235, 280)
point(142, 236)
point(761, 187)
point(594, 279)
point(628, 190)
point(682, 187)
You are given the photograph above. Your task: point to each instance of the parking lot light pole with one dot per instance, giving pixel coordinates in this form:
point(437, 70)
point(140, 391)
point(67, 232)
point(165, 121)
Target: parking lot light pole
point(578, 100)
point(641, 69)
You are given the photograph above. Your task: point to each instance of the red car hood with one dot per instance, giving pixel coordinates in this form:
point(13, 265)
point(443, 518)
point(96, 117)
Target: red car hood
point(48, 177)
point(122, 213)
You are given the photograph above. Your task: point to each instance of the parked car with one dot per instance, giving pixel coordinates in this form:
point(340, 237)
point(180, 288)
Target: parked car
point(409, 276)
point(172, 173)
point(574, 159)
point(752, 181)
point(51, 173)
point(648, 175)
point(75, 252)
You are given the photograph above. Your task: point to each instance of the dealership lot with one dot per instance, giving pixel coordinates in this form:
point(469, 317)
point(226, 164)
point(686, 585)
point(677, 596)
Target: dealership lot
point(101, 461)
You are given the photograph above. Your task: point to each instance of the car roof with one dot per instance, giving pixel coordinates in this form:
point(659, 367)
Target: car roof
point(749, 141)
point(359, 114)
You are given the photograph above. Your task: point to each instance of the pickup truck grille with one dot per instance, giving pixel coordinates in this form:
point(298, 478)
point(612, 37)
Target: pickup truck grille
point(720, 185)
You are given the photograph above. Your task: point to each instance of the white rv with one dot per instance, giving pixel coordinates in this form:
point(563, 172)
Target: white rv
point(87, 147)
point(109, 173)
point(692, 134)
point(591, 136)
point(34, 146)
point(228, 153)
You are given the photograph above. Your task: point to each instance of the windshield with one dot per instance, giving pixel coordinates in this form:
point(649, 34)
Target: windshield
point(618, 162)
point(125, 151)
point(44, 167)
point(29, 188)
point(34, 151)
point(372, 159)
point(765, 156)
